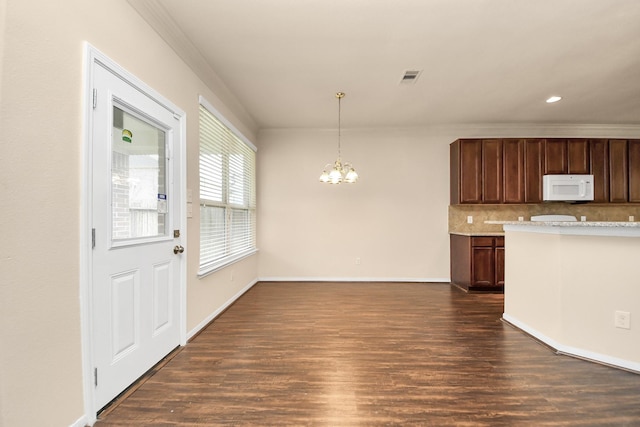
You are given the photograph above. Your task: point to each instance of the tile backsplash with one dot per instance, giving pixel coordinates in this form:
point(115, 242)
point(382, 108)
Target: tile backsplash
point(480, 213)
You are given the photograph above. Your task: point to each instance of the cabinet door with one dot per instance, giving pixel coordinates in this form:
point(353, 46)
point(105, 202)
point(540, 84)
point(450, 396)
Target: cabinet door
point(618, 172)
point(578, 156)
point(460, 250)
point(599, 168)
point(555, 156)
point(499, 266)
point(454, 173)
point(470, 171)
point(533, 152)
point(483, 266)
point(634, 170)
point(492, 171)
point(513, 170)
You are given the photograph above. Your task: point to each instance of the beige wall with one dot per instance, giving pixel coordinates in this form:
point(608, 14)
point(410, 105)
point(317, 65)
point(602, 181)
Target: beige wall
point(40, 187)
point(394, 218)
point(564, 290)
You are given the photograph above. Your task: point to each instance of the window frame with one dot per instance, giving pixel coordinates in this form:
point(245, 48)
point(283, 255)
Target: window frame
point(228, 257)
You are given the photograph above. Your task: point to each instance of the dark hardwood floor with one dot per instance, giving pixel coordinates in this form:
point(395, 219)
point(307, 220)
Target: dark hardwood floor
point(374, 354)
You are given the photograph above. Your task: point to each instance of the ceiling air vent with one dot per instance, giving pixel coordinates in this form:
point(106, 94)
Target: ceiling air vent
point(410, 76)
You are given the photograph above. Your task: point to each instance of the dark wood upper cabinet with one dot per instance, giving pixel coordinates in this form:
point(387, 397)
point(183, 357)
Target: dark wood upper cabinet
point(510, 170)
point(555, 156)
point(634, 170)
point(466, 171)
point(492, 171)
point(618, 171)
point(578, 157)
point(599, 168)
point(454, 173)
point(513, 170)
point(533, 170)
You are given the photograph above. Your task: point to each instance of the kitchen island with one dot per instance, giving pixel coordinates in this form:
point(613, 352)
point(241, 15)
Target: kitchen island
point(568, 284)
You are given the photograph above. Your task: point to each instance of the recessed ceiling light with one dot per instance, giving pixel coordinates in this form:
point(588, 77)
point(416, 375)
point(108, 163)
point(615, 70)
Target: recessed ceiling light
point(553, 99)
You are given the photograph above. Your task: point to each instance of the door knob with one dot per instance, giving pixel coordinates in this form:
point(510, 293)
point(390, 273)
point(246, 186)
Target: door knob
point(178, 249)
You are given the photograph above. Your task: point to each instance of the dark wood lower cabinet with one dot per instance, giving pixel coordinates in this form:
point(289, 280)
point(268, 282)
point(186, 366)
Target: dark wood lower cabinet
point(477, 262)
point(500, 262)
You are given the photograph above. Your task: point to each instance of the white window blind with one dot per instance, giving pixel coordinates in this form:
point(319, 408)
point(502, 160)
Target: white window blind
point(227, 193)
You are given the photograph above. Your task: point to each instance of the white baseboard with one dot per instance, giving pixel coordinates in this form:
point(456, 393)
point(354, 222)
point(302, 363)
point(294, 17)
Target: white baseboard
point(81, 422)
point(216, 313)
point(574, 351)
point(354, 279)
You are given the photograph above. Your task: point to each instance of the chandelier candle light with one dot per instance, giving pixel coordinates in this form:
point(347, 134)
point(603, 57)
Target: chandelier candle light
point(340, 172)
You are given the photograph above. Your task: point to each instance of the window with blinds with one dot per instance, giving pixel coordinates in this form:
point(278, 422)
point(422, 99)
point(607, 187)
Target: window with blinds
point(227, 192)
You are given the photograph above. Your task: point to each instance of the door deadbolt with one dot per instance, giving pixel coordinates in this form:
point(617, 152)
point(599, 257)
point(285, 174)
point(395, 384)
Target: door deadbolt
point(178, 249)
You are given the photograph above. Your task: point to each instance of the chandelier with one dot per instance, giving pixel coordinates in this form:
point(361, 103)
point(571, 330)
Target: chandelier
point(339, 171)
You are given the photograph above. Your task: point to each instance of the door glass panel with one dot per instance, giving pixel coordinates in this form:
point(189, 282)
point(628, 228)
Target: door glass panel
point(138, 178)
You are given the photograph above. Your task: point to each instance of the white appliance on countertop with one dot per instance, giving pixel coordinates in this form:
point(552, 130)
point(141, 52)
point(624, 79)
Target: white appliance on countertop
point(554, 218)
point(567, 188)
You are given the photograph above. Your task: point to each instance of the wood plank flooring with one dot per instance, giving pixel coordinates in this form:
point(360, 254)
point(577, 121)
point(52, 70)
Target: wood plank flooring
point(374, 354)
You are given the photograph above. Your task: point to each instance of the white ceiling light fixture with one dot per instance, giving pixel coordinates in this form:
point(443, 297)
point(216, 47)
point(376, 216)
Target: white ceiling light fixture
point(340, 172)
point(553, 99)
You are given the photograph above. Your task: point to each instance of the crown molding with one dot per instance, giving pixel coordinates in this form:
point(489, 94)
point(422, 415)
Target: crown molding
point(548, 130)
point(497, 130)
point(162, 23)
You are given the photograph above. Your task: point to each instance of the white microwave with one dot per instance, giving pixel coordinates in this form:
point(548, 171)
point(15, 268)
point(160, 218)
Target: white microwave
point(567, 188)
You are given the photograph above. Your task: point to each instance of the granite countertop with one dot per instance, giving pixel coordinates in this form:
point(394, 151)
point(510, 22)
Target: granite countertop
point(621, 225)
point(627, 224)
point(575, 228)
point(478, 233)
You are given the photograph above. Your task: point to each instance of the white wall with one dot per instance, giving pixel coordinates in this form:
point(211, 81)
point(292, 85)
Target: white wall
point(40, 185)
point(394, 218)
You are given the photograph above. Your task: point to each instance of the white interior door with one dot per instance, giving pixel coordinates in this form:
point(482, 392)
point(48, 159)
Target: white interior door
point(135, 289)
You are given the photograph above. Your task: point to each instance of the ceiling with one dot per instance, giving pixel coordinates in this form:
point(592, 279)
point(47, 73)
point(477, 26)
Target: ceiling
point(481, 61)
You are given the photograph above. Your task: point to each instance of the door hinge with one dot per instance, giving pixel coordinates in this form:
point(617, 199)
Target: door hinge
point(95, 376)
point(93, 238)
point(95, 98)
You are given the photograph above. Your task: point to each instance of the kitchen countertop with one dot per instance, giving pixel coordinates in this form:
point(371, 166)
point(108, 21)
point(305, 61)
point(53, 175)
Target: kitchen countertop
point(586, 228)
point(478, 233)
point(596, 227)
point(570, 223)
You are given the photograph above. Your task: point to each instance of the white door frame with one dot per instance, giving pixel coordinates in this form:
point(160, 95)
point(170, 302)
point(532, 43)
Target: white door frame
point(94, 58)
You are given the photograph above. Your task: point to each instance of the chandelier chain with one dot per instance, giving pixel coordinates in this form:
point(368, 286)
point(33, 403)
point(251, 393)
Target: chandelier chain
point(339, 95)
